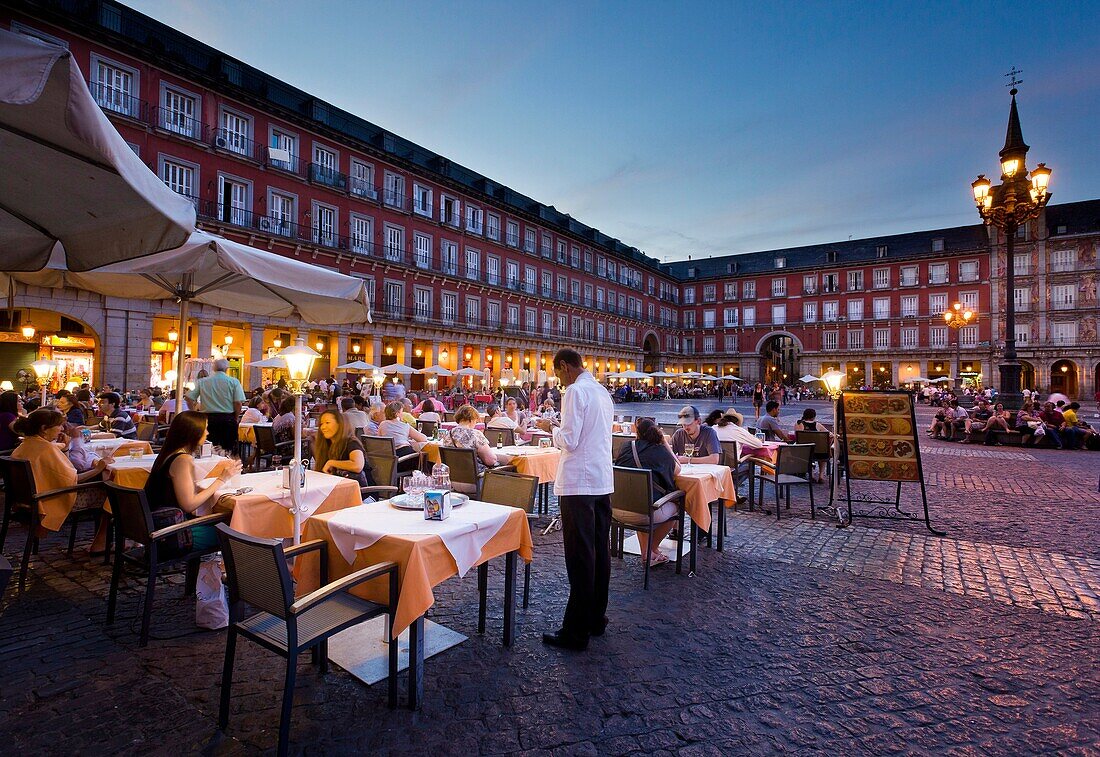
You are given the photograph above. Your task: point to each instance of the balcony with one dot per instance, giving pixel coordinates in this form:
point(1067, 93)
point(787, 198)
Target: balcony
point(284, 160)
point(451, 219)
point(423, 209)
point(180, 124)
point(119, 102)
point(937, 279)
point(394, 199)
point(238, 144)
point(327, 176)
point(512, 240)
point(909, 281)
point(362, 189)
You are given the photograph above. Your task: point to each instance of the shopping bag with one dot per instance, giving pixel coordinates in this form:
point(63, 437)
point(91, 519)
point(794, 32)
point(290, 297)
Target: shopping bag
point(211, 602)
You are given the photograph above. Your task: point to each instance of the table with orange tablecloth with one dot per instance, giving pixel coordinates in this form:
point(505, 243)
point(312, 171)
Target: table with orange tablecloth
point(703, 484)
point(532, 461)
point(133, 473)
point(118, 447)
point(246, 432)
point(265, 511)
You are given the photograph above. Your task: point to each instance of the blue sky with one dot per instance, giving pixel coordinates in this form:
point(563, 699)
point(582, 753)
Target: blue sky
point(699, 128)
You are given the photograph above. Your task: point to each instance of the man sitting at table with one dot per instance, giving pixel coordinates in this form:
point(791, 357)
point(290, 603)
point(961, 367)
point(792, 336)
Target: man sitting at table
point(356, 418)
point(113, 418)
point(774, 430)
point(497, 419)
point(706, 449)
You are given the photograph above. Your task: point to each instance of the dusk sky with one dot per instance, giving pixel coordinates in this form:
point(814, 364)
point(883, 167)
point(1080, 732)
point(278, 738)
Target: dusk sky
point(697, 128)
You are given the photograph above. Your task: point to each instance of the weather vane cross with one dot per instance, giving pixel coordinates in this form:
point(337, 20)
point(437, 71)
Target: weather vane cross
point(1014, 73)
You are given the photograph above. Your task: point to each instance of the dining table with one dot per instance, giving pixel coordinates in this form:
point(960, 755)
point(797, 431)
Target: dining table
point(701, 485)
point(133, 472)
point(117, 446)
point(427, 553)
point(533, 460)
point(265, 511)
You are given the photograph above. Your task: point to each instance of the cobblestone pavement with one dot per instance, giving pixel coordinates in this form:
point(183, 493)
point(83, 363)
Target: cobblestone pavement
point(800, 637)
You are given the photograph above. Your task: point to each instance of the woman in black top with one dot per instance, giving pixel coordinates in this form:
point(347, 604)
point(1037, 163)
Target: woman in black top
point(336, 450)
point(67, 405)
point(172, 480)
point(758, 398)
point(651, 452)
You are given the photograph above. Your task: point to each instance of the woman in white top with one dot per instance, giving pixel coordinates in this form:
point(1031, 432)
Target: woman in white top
point(254, 414)
point(514, 414)
point(427, 411)
point(405, 438)
point(727, 425)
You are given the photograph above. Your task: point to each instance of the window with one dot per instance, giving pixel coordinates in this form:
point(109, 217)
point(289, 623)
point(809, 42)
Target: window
point(362, 234)
point(855, 281)
point(968, 270)
point(562, 283)
point(448, 307)
point(968, 336)
point(709, 292)
point(473, 311)
point(969, 300)
point(731, 342)
point(779, 314)
point(612, 268)
point(731, 291)
point(283, 153)
point(599, 298)
point(881, 251)
point(475, 218)
point(855, 339)
point(909, 337)
point(1063, 296)
point(689, 319)
point(881, 339)
point(177, 113)
point(512, 236)
point(937, 273)
point(529, 240)
point(830, 311)
point(1063, 332)
point(530, 279)
point(235, 133)
point(115, 87)
point(448, 257)
point(909, 276)
point(324, 169)
point(809, 284)
point(937, 244)
point(530, 320)
point(830, 257)
point(830, 283)
point(689, 345)
point(492, 226)
point(779, 287)
point(492, 314)
point(1021, 264)
point(1023, 334)
point(729, 317)
point(689, 295)
point(937, 304)
point(881, 278)
point(588, 268)
point(395, 243)
point(780, 262)
point(394, 192)
point(548, 324)
point(937, 336)
point(234, 203)
point(909, 306)
point(855, 310)
point(422, 250)
point(882, 307)
point(575, 291)
point(748, 290)
point(422, 303)
point(473, 264)
point(394, 301)
point(492, 270)
point(1063, 260)
point(1021, 298)
point(513, 317)
point(546, 246)
point(362, 180)
point(830, 340)
point(708, 319)
point(809, 312)
point(749, 316)
point(281, 214)
point(708, 345)
point(601, 266)
point(324, 225)
point(562, 325)
point(422, 200)
point(179, 177)
point(575, 256)
point(548, 286)
point(450, 210)
point(1021, 232)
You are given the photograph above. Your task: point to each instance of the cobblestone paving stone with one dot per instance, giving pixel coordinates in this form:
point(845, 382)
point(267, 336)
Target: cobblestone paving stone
point(991, 454)
point(799, 638)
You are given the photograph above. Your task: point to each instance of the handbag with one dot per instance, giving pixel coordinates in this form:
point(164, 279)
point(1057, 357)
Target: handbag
point(178, 543)
point(211, 603)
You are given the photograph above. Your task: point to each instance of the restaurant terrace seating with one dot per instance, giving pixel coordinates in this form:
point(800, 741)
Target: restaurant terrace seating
point(514, 490)
point(793, 466)
point(631, 509)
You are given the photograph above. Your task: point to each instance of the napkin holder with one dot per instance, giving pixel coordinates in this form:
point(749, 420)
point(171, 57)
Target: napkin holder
point(206, 450)
point(546, 442)
point(286, 478)
point(437, 504)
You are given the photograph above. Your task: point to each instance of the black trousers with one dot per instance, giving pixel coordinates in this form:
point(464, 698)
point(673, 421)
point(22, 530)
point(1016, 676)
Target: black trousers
point(586, 535)
point(221, 429)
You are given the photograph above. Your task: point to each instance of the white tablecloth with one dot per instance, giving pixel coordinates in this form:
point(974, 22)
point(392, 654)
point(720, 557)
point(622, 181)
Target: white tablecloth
point(696, 470)
point(270, 484)
point(464, 534)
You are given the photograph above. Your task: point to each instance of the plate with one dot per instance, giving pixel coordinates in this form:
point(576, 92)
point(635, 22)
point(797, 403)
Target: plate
point(401, 501)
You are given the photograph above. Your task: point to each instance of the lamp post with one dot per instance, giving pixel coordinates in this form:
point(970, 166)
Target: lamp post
point(299, 363)
point(1011, 204)
point(957, 317)
point(833, 381)
point(43, 369)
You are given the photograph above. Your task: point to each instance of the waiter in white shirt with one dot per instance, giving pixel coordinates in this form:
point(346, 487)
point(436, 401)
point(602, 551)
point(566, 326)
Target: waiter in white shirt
point(584, 484)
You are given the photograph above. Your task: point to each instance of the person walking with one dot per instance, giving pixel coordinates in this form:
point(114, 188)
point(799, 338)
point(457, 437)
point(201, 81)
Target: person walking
point(584, 484)
point(220, 397)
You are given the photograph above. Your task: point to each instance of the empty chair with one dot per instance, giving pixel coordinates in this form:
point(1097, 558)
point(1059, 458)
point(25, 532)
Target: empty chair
point(793, 466)
point(633, 508)
point(501, 437)
point(266, 447)
point(146, 431)
point(257, 575)
point(514, 490)
point(669, 428)
point(384, 472)
point(133, 520)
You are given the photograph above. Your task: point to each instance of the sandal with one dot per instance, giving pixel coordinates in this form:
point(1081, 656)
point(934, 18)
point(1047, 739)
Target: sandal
point(658, 559)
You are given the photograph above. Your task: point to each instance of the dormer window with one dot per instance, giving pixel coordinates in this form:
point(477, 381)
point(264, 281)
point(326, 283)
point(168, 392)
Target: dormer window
point(780, 262)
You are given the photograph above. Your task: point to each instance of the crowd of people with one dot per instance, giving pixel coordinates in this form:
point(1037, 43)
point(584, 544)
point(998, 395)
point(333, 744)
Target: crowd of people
point(1058, 420)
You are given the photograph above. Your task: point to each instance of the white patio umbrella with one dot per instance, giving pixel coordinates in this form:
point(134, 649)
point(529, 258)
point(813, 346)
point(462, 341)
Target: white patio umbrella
point(662, 374)
point(916, 380)
point(437, 370)
point(809, 377)
point(469, 372)
point(940, 379)
point(731, 377)
point(401, 368)
point(708, 377)
point(634, 375)
point(271, 362)
point(357, 365)
point(66, 174)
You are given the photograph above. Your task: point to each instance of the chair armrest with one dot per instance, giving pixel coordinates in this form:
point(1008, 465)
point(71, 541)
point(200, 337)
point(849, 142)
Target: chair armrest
point(67, 489)
point(670, 497)
point(307, 546)
point(410, 456)
point(345, 583)
point(502, 468)
point(205, 520)
point(388, 490)
point(759, 461)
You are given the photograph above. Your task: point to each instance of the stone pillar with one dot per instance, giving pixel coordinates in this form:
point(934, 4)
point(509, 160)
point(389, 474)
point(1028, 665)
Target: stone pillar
point(406, 353)
point(435, 354)
point(253, 351)
point(376, 351)
point(127, 341)
point(338, 354)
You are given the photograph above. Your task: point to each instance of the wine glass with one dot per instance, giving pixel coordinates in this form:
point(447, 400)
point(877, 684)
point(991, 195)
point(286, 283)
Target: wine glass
point(689, 450)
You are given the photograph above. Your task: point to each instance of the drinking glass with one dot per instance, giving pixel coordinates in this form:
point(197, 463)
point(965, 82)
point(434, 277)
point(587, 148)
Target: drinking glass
point(277, 462)
point(689, 450)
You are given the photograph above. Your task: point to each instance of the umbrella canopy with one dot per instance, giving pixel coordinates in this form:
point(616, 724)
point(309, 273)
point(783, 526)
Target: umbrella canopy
point(916, 380)
point(708, 377)
point(691, 375)
point(401, 368)
point(469, 372)
point(633, 375)
point(809, 377)
point(67, 175)
point(271, 362)
point(438, 370)
point(357, 365)
point(730, 377)
point(662, 374)
point(938, 380)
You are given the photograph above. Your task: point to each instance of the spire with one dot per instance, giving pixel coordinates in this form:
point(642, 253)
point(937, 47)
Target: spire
point(1014, 139)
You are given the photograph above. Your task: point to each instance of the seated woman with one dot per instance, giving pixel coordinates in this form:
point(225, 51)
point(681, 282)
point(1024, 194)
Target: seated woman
point(74, 415)
point(41, 430)
point(168, 407)
point(514, 413)
point(464, 435)
point(1001, 420)
point(172, 481)
point(427, 411)
point(1028, 424)
point(336, 450)
point(145, 401)
point(11, 407)
point(282, 426)
point(651, 452)
point(254, 413)
point(406, 439)
point(808, 422)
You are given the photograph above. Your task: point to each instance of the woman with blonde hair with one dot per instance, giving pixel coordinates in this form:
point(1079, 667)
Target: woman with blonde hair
point(336, 450)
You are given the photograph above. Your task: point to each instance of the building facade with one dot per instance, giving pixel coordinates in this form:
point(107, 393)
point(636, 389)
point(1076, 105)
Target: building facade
point(466, 272)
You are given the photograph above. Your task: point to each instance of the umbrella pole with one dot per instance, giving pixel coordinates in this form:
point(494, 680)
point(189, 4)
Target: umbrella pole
point(181, 354)
point(296, 469)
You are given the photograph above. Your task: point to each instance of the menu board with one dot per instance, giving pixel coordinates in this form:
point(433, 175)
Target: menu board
point(880, 435)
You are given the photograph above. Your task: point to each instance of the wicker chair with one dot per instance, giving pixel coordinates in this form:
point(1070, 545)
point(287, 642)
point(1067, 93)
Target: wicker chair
point(501, 437)
point(463, 466)
point(514, 490)
point(631, 509)
point(258, 575)
point(21, 493)
point(133, 520)
point(793, 466)
point(267, 448)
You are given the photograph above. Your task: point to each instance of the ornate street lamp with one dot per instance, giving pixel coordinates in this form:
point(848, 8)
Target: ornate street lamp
point(957, 318)
point(833, 381)
point(1008, 206)
point(43, 369)
point(299, 364)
